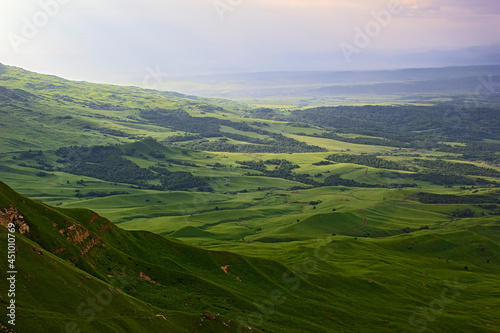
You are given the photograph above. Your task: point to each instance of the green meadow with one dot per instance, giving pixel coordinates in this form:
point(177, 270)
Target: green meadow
point(281, 223)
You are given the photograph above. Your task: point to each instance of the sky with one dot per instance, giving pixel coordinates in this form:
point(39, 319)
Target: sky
point(114, 40)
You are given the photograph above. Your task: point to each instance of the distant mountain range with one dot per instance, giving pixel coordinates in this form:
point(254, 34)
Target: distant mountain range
point(367, 59)
point(468, 56)
point(461, 79)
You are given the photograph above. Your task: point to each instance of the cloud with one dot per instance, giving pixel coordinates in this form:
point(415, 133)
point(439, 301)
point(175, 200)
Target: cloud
point(451, 9)
point(478, 7)
point(189, 35)
point(421, 7)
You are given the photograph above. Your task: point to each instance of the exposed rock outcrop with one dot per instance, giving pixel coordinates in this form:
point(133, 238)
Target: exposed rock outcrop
point(12, 215)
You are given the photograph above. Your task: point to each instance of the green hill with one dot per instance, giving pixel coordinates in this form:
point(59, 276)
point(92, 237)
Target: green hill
point(47, 112)
point(321, 224)
point(332, 219)
point(73, 272)
point(100, 277)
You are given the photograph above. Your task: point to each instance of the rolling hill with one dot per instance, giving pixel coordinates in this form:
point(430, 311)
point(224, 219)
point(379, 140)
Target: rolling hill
point(145, 211)
point(98, 276)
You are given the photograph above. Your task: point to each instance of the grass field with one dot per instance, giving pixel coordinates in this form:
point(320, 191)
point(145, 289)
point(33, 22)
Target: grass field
point(265, 249)
point(331, 280)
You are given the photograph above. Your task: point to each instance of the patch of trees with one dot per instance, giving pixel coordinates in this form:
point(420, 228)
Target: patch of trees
point(488, 206)
point(264, 113)
point(103, 162)
point(239, 137)
point(368, 160)
point(304, 178)
point(182, 163)
point(181, 180)
point(130, 151)
point(279, 145)
point(281, 163)
point(475, 151)
point(430, 198)
point(182, 138)
point(463, 213)
point(458, 168)
point(39, 167)
point(285, 143)
point(365, 140)
point(113, 132)
point(30, 155)
point(101, 106)
point(405, 121)
point(442, 179)
point(283, 169)
point(38, 156)
point(300, 125)
point(224, 146)
point(296, 188)
point(99, 194)
point(157, 155)
point(322, 163)
point(408, 230)
point(254, 165)
point(107, 163)
point(335, 180)
point(406, 126)
point(215, 165)
point(491, 207)
point(437, 178)
point(180, 120)
point(210, 108)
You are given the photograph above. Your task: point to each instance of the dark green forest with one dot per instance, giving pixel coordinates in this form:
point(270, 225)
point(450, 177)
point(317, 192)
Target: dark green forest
point(405, 126)
point(107, 163)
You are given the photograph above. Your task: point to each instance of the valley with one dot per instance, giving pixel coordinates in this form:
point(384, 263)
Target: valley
point(213, 215)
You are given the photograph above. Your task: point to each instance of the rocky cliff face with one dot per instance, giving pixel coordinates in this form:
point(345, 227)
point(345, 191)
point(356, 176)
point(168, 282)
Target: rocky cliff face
point(12, 215)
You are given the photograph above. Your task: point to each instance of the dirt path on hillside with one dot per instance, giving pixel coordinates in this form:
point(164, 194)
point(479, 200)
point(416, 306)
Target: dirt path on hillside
point(370, 177)
point(353, 196)
point(357, 228)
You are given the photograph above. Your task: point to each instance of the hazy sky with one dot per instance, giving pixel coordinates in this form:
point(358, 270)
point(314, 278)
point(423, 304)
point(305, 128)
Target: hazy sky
point(107, 40)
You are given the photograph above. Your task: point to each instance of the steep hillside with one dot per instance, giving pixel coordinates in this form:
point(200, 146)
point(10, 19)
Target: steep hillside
point(76, 269)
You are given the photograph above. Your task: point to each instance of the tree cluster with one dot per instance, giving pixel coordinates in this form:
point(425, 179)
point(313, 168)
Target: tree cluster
point(368, 160)
point(430, 198)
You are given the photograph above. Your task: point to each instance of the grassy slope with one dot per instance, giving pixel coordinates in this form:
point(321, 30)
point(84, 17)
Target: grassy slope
point(328, 291)
point(47, 112)
point(105, 274)
point(273, 230)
